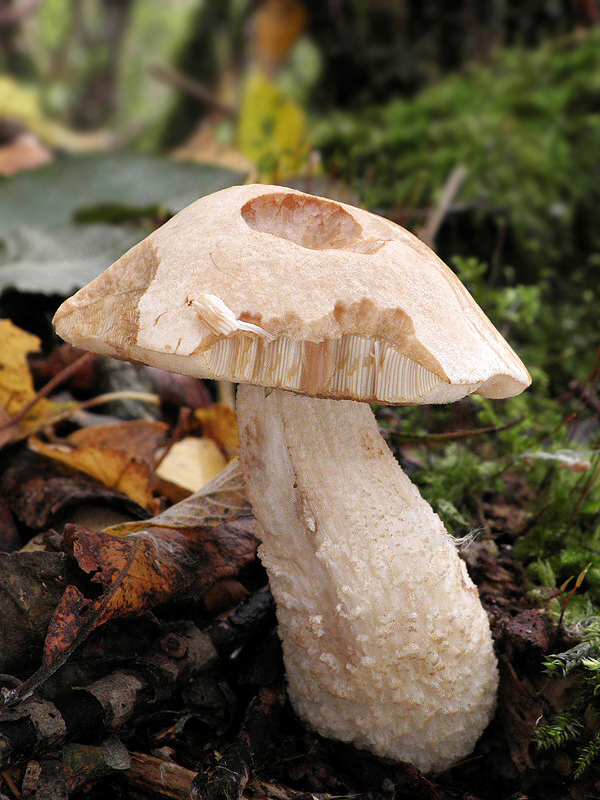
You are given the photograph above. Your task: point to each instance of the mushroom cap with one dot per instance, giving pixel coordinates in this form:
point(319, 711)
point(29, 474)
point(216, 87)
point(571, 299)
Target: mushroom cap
point(270, 286)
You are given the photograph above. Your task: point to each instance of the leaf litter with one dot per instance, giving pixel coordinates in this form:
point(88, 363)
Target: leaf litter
point(191, 545)
point(64, 587)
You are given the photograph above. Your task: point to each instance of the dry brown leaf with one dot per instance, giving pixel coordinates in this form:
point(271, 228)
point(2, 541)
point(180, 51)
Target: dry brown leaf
point(188, 466)
point(140, 571)
point(184, 549)
point(140, 438)
point(219, 422)
point(121, 456)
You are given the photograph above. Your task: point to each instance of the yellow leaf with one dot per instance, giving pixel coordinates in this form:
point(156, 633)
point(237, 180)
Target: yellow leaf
point(188, 466)
point(16, 387)
point(272, 129)
point(219, 422)
point(16, 383)
point(120, 456)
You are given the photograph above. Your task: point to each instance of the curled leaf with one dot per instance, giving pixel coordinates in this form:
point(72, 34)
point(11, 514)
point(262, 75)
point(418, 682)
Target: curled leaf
point(220, 501)
point(139, 571)
point(121, 456)
point(187, 549)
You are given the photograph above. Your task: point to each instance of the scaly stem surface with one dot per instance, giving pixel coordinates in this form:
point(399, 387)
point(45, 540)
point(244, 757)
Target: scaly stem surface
point(385, 641)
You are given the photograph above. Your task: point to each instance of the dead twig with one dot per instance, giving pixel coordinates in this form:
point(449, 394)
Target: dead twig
point(193, 88)
point(158, 778)
point(433, 223)
point(451, 436)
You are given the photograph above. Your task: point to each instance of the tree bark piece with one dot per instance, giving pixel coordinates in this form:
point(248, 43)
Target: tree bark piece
point(159, 778)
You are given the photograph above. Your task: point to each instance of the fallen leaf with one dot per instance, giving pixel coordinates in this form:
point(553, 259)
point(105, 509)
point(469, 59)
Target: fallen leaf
point(37, 490)
point(139, 571)
point(16, 383)
point(121, 456)
point(20, 414)
point(182, 551)
point(219, 422)
point(140, 438)
point(188, 466)
point(222, 500)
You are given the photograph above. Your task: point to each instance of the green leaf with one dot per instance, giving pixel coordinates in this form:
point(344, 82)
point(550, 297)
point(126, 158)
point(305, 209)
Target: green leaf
point(52, 195)
point(33, 260)
point(42, 249)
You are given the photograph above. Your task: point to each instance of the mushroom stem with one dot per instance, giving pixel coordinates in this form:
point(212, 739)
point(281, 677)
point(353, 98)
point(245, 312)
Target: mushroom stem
point(385, 641)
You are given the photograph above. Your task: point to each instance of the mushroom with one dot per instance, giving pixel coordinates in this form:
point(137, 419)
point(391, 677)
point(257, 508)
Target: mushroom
point(385, 641)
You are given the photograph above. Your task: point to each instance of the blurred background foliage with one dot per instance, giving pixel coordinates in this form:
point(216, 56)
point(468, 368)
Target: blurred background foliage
point(475, 124)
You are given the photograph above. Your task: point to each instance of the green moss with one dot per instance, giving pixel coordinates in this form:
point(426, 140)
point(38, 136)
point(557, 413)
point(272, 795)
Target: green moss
point(527, 128)
point(572, 725)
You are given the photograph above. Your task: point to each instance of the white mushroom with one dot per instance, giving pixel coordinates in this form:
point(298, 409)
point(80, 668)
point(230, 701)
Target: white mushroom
point(385, 642)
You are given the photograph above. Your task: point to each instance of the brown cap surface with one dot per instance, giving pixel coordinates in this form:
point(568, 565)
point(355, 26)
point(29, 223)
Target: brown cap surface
point(270, 286)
